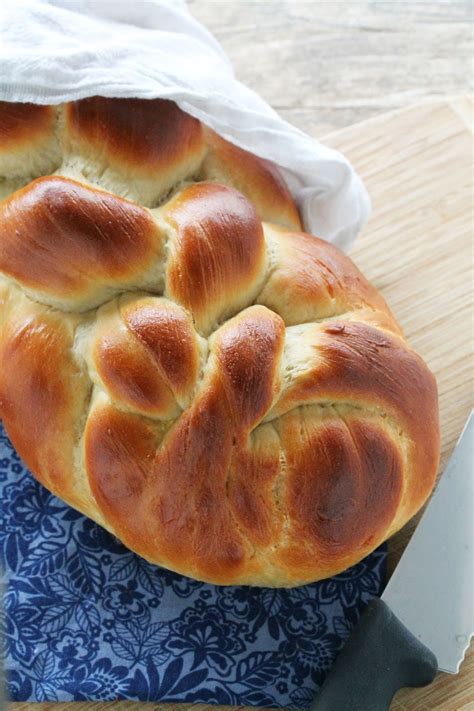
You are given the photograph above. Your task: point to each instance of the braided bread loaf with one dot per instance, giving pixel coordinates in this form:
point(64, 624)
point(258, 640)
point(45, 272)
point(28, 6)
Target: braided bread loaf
point(232, 399)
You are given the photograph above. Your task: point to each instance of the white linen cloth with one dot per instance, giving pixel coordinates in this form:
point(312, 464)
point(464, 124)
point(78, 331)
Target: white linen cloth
point(64, 50)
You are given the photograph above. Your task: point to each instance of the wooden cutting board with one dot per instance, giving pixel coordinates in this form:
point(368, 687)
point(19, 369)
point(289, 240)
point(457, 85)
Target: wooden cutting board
point(417, 249)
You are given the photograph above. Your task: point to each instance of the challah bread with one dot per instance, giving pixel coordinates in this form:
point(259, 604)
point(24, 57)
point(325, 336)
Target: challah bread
point(227, 395)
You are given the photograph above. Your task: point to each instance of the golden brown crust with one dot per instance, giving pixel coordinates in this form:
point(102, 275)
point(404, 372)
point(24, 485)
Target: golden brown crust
point(118, 450)
point(23, 124)
point(256, 178)
point(167, 332)
point(233, 401)
point(29, 146)
point(43, 394)
point(148, 136)
point(248, 350)
point(217, 257)
point(181, 492)
point(343, 485)
point(311, 280)
point(68, 242)
point(146, 355)
point(252, 483)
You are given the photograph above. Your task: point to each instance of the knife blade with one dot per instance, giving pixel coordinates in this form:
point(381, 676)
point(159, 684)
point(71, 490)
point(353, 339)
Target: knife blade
point(434, 580)
point(425, 619)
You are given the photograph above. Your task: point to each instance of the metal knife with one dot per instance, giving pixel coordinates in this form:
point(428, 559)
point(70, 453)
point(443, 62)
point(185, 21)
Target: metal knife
point(425, 619)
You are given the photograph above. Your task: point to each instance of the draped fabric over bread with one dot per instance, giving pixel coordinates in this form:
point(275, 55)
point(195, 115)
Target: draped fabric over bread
point(227, 395)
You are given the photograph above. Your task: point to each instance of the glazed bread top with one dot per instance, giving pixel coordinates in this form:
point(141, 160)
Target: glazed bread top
point(226, 394)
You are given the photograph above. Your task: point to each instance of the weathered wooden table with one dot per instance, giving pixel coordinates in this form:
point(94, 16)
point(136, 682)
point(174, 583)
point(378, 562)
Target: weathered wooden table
point(325, 65)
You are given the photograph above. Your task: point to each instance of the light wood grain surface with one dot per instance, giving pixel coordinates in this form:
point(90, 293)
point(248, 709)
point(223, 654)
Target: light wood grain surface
point(417, 248)
point(324, 65)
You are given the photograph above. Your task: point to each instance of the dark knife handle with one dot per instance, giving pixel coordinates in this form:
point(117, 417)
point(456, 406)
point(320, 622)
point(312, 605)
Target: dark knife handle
point(380, 657)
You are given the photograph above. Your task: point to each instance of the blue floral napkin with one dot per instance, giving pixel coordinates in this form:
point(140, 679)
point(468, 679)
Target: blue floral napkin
point(86, 619)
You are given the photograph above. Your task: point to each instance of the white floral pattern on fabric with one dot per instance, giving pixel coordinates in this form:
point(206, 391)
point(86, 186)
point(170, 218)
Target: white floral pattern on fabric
point(86, 619)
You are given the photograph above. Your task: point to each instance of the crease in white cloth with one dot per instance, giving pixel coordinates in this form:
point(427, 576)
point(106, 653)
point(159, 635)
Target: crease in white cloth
point(64, 50)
